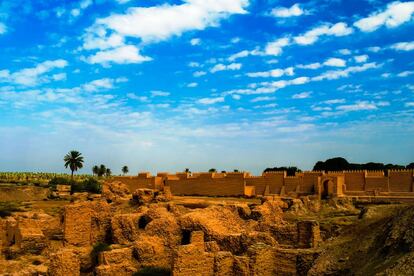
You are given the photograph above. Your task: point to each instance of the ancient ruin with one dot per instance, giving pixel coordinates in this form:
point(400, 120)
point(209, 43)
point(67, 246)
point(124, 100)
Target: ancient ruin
point(219, 224)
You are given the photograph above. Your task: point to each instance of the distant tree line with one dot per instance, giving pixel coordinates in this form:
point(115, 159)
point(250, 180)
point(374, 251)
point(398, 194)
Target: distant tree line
point(341, 164)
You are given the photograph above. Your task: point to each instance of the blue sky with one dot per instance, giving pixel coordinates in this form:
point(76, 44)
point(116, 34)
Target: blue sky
point(246, 84)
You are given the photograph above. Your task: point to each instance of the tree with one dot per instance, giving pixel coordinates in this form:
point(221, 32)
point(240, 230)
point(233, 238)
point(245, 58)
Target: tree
point(125, 170)
point(236, 170)
point(212, 170)
point(95, 170)
point(102, 170)
point(108, 172)
point(73, 160)
point(410, 166)
point(187, 170)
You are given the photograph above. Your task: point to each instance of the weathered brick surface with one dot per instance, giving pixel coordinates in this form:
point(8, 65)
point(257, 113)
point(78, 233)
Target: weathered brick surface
point(64, 263)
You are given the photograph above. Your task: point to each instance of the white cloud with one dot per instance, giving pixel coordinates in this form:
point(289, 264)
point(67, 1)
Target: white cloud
point(333, 75)
point(194, 64)
point(310, 37)
point(198, 74)
point(403, 46)
point(374, 49)
point(235, 40)
point(122, 1)
point(283, 12)
point(236, 97)
point(303, 95)
point(223, 67)
point(409, 104)
point(192, 84)
point(394, 15)
point(3, 28)
point(358, 106)
point(162, 22)
point(33, 76)
point(211, 100)
point(122, 55)
point(195, 41)
point(344, 52)
point(275, 48)
point(105, 83)
point(405, 74)
point(335, 101)
point(312, 66)
point(240, 54)
point(262, 99)
point(335, 62)
point(154, 24)
point(275, 73)
point(361, 58)
point(134, 96)
point(82, 5)
point(158, 93)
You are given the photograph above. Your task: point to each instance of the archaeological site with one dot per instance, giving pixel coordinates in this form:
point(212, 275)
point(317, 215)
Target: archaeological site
point(313, 223)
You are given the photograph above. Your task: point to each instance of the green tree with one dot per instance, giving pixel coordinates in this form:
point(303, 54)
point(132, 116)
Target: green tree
point(73, 160)
point(108, 172)
point(102, 170)
point(125, 170)
point(212, 170)
point(95, 170)
point(187, 170)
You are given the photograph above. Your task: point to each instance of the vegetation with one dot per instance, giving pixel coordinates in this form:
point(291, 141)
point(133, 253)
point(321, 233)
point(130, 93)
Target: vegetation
point(153, 271)
point(95, 170)
point(340, 164)
point(73, 160)
point(291, 171)
point(24, 178)
point(125, 170)
point(212, 170)
point(90, 185)
point(108, 172)
point(7, 208)
point(97, 248)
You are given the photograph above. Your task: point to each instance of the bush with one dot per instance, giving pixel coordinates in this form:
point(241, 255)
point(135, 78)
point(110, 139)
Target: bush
point(60, 181)
point(92, 185)
point(153, 271)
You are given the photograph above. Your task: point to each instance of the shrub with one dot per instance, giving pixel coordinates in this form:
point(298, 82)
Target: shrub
point(60, 181)
point(97, 248)
point(92, 185)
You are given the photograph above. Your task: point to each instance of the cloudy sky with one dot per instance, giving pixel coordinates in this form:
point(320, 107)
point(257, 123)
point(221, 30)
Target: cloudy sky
point(165, 85)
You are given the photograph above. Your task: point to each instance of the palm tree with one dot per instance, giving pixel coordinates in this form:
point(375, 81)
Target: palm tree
point(125, 170)
point(102, 170)
point(187, 170)
point(108, 172)
point(73, 160)
point(95, 170)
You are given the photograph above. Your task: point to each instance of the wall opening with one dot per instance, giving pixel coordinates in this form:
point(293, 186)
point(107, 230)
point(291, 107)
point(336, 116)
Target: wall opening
point(143, 221)
point(186, 237)
point(325, 189)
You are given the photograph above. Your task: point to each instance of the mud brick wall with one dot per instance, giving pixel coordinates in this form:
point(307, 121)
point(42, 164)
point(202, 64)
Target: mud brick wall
point(275, 180)
point(379, 183)
point(400, 181)
point(310, 179)
point(143, 180)
point(355, 181)
point(291, 183)
point(77, 224)
point(192, 260)
point(309, 235)
point(206, 185)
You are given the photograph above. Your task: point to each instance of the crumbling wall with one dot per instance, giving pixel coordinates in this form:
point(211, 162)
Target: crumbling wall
point(143, 180)
point(310, 179)
point(86, 223)
point(63, 263)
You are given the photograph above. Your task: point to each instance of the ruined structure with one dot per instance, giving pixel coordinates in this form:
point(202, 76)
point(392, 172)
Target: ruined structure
point(399, 184)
